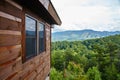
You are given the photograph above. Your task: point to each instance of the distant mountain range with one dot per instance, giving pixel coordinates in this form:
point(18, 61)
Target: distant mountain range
point(80, 35)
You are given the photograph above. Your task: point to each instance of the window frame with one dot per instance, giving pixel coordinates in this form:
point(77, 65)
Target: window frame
point(37, 52)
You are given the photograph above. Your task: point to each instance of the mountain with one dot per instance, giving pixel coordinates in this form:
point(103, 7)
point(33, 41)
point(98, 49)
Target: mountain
point(80, 35)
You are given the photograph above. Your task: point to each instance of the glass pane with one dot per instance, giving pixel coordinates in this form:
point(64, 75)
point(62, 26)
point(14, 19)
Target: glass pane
point(41, 37)
point(30, 37)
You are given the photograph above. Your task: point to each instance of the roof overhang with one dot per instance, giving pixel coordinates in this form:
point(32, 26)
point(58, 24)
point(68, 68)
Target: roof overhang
point(49, 15)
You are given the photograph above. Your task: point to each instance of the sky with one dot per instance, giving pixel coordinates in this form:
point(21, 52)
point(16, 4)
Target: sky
point(99, 15)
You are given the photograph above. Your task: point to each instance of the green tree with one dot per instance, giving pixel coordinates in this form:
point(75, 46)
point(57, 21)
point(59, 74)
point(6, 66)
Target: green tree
point(75, 72)
point(58, 60)
point(111, 72)
point(55, 75)
point(93, 74)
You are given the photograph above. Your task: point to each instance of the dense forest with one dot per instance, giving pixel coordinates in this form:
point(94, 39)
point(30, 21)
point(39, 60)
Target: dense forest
point(95, 59)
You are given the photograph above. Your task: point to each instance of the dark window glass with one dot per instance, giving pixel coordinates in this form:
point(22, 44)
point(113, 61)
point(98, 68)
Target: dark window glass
point(41, 37)
point(30, 37)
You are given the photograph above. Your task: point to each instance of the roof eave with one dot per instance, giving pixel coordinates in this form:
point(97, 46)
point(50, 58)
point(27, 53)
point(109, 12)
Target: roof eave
point(37, 7)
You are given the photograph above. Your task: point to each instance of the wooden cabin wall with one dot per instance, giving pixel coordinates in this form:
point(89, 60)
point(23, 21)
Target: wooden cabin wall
point(12, 24)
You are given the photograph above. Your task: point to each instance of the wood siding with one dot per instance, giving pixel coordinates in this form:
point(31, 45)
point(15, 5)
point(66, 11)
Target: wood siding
point(12, 48)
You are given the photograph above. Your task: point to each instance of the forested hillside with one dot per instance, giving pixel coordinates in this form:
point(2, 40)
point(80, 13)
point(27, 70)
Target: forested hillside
point(95, 59)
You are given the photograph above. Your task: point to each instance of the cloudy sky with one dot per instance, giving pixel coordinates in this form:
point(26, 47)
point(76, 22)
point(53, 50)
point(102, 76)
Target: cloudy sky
point(100, 15)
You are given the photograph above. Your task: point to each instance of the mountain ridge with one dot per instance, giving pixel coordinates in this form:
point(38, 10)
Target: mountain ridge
point(73, 35)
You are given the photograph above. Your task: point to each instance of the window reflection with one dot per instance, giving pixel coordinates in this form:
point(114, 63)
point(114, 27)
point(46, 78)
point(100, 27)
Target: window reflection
point(30, 37)
point(41, 37)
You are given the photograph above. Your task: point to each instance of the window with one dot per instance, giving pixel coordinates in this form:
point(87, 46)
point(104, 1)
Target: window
point(41, 37)
point(30, 37)
point(35, 37)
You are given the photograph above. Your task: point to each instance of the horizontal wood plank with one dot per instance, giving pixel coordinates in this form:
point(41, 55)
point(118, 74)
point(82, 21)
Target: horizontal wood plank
point(10, 9)
point(40, 76)
point(14, 4)
point(9, 40)
point(8, 71)
point(9, 32)
point(6, 49)
point(11, 76)
point(11, 17)
point(31, 76)
point(8, 54)
point(7, 24)
point(12, 63)
point(4, 73)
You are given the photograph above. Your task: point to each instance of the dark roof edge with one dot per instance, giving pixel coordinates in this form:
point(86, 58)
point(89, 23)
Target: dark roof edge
point(60, 22)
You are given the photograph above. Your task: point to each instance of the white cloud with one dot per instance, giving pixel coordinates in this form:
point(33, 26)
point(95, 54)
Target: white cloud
point(88, 14)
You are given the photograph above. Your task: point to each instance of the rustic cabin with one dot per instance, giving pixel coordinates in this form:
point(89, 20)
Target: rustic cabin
point(25, 38)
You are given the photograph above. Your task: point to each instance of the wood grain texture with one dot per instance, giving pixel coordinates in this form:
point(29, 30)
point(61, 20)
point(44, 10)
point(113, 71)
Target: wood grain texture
point(4, 73)
point(10, 9)
point(9, 40)
point(7, 71)
point(8, 54)
point(7, 24)
point(9, 32)
point(8, 16)
point(31, 76)
point(14, 4)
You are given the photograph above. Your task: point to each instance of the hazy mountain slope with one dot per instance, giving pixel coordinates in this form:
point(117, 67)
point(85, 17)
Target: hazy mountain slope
point(80, 35)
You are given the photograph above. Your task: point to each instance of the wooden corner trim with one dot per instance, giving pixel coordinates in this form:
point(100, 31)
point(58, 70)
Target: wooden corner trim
point(11, 17)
